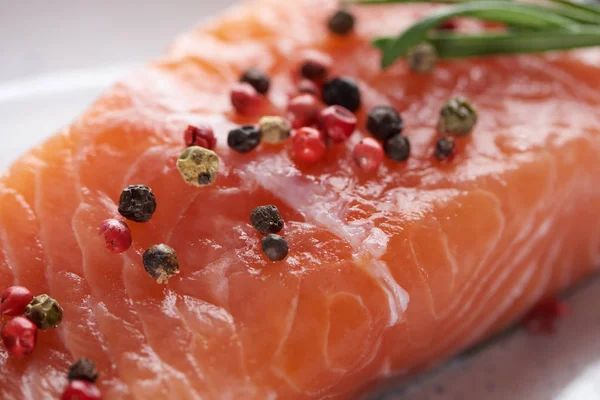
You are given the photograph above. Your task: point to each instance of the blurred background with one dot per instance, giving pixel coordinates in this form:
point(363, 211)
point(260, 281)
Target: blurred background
point(57, 56)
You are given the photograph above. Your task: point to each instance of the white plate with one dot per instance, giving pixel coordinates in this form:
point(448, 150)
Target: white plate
point(56, 56)
point(40, 92)
point(32, 109)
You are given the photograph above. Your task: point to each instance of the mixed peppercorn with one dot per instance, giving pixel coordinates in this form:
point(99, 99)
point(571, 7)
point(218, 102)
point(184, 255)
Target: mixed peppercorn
point(19, 334)
point(320, 114)
point(422, 58)
point(342, 91)
point(161, 262)
point(259, 80)
point(266, 219)
point(44, 312)
point(268, 222)
point(444, 148)
point(201, 135)
point(30, 314)
point(543, 317)
point(82, 376)
point(83, 369)
point(117, 235)
point(198, 166)
point(341, 22)
point(14, 300)
point(457, 117)
point(137, 203)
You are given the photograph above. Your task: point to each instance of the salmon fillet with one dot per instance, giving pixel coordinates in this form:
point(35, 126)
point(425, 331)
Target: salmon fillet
point(388, 273)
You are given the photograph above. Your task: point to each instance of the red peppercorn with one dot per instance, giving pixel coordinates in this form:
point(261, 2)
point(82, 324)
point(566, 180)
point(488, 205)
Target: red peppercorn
point(315, 66)
point(245, 99)
point(14, 300)
point(337, 123)
point(308, 86)
point(201, 135)
point(303, 110)
point(19, 336)
point(81, 390)
point(308, 145)
point(543, 316)
point(368, 154)
point(116, 234)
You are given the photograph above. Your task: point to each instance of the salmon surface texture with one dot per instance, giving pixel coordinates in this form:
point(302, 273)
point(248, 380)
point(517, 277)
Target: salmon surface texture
point(388, 273)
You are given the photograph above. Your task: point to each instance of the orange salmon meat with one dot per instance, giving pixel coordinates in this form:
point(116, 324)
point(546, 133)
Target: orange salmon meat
point(388, 273)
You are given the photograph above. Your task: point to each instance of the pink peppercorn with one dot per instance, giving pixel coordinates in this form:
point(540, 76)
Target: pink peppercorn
point(201, 135)
point(543, 316)
point(337, 123)
point(315, 66)
point(308, 86)
point(303, 110)
point(81, 390)
point(117, 235)
point(14, 300)
point(308, 145)
point(245, 99)
point(19, 336)
point(368, 154)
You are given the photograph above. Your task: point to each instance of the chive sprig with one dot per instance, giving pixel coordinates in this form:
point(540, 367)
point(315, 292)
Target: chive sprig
point(546, 26)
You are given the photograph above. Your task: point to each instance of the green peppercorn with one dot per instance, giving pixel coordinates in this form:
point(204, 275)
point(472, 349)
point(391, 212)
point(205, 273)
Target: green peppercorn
point(83, 369)
point(422, 58)
point(161, 262)
point(44, 312)
point(198, 166)
point(457, 117)
point(274, 130)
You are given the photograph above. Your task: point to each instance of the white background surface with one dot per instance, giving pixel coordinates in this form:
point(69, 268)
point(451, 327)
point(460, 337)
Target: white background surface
point(56, 56)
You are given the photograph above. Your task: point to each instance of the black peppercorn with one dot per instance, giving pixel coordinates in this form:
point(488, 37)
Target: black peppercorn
point(244, 138)
point(44, 312)
point(83, 369)
point(444, 147)
point(397, 148)
point(341, 22)
point(137, 203)
point(342, 91)
point(384, 122)
point(160, 262)
point(257, 79)
point(315, 68)
point(266, 219)
point(275, 247)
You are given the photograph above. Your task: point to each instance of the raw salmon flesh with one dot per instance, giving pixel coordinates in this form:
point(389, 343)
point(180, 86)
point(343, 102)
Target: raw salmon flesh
point(388, 273)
